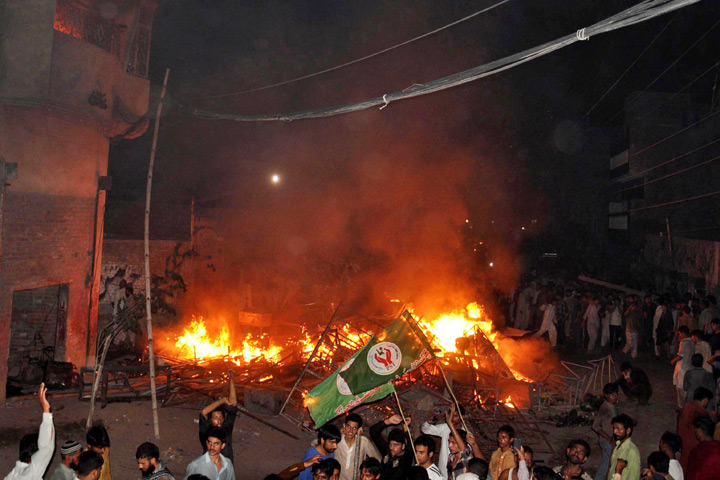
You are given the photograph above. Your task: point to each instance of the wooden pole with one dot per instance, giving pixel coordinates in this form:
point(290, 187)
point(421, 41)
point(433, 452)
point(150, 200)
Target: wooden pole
point(151, 354)
point(405, 425)
point(96, 380)
point(447, 385)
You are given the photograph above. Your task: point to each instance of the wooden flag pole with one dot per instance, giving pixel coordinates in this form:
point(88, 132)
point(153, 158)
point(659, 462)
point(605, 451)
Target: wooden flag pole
point(148, 291)
point(447, 385)
point(407, 427)
point(415, 324)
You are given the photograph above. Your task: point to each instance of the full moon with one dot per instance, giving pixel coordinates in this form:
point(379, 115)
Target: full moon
point(275, 178)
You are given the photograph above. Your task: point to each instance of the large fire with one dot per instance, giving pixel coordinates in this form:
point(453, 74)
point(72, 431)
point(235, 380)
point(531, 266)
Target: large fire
point(197, 344)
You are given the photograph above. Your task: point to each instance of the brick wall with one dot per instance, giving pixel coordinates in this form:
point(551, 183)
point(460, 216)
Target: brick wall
point(47, 240)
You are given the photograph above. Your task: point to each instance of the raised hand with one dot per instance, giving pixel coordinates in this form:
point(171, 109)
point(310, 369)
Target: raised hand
point(42, 394)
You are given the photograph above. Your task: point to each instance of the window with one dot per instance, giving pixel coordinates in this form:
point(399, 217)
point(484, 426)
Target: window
point(139, 53)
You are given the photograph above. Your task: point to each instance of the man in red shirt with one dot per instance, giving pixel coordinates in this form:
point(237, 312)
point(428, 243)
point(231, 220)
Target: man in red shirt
point(705, 463)
point(690, 412)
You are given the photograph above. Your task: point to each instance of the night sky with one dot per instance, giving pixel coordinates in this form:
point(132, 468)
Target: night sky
point(492, 151)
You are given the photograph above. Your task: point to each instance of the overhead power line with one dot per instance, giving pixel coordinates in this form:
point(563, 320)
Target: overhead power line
point(688, 85)
point(639, 13)
point(673, 135)
point(358, 60)
point(654, 180)
point(587, 114)
point(674, 159)
point(637, 97)
point(674, 202)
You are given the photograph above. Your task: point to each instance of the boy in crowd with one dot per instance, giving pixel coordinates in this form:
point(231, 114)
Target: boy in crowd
point(98, 441)
point(90, 465)
point(213, 464)
point(576, 454)
point(671, 445)
point(397, 456)
point(503, 458)
point(424, 451)
point(634, 383)
point(602, 426)
point(221, 413)
point(353, 448)
point(443, 431)
point(698, 377)
point(328, 437)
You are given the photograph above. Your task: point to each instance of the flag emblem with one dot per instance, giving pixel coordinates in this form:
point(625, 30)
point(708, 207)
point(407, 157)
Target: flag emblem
point(384, 358)
point(342, 385)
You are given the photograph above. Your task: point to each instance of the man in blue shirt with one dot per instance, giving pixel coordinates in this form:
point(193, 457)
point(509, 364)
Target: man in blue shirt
point(328, 438)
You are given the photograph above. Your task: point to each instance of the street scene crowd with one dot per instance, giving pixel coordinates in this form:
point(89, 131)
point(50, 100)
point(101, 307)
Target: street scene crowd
point(682, 330)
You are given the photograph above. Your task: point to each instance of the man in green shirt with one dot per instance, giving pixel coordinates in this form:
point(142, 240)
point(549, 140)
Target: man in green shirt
point(625, 460)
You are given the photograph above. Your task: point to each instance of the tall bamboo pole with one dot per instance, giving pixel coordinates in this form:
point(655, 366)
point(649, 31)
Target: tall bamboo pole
point(151, 354)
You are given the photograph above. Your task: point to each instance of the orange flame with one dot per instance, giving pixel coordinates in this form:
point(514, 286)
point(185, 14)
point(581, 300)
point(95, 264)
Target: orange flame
point(196, 344)
point(450, 326)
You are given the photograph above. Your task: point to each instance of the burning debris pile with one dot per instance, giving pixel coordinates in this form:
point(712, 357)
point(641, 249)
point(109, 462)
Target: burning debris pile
point(488, 368)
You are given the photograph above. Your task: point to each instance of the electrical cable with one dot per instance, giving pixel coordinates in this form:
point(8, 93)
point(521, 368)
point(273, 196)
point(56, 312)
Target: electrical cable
point(625, 107)
point(663, 140)
point(674, 202)
point(654, 180)
point(352, 62)
point(684, 88)
point(587, 114)
point(640, 174)
point(641, 12)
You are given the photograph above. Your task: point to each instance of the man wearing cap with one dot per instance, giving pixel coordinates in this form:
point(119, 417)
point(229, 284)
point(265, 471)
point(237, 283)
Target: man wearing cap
point(69, 454)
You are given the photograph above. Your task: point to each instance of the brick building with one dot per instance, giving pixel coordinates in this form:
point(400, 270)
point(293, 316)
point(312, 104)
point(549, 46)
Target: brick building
point(74, 77)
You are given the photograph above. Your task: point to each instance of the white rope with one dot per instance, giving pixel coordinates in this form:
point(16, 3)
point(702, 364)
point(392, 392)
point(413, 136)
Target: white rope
point(639, 13)
point(386, 102)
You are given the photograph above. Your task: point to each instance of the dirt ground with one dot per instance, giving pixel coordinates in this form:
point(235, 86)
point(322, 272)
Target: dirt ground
point(260, 450)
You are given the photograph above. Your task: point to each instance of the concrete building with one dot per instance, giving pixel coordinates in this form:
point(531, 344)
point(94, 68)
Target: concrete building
point(665, 197)
point(73, 77)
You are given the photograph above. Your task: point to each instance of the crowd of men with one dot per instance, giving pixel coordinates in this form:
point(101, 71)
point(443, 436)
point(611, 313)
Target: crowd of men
point(684, 331)
point(445, 450)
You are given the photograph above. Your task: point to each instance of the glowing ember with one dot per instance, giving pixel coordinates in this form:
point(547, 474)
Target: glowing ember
point(508, 402)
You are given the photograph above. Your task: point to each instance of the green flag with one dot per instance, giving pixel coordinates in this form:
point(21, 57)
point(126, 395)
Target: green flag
point(397, 349)
point(333, 397)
